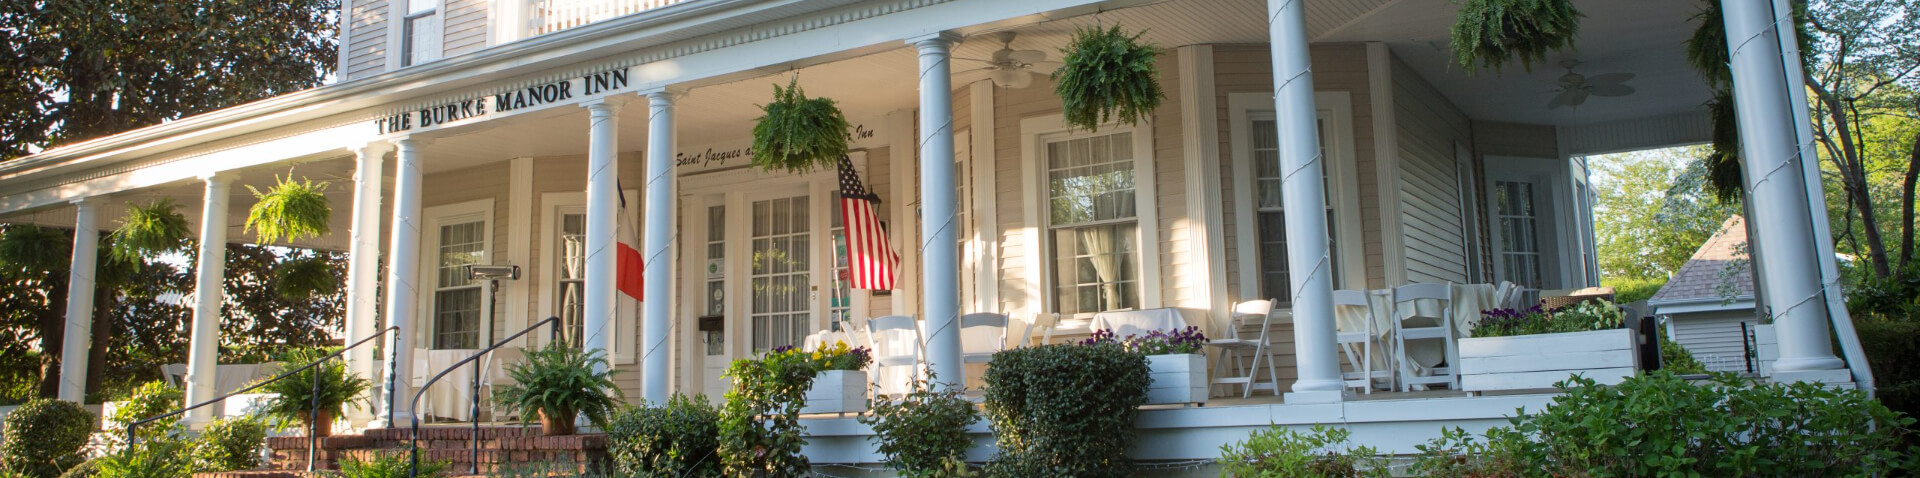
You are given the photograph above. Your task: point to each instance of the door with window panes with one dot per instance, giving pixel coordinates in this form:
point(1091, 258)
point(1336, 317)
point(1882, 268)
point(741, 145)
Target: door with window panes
point(779, 272)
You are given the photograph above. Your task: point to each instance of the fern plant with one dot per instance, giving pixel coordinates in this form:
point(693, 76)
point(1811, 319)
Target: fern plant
point(306, 277)
point(559, 382)
point(289, 211)
point(150, 230)
point(1490, 33)
point(295, 397)
point(1107, 75)
point(394, 464)
point(34, 250)
point(798, 134)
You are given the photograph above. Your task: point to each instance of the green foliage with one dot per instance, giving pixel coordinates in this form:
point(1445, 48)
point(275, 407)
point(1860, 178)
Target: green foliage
point(1583, 317)
point(1064, 410)
point(296, 397)
point(151, 230)
point(1892, 345)
point(34, 250)
point(1627, 291)
point(1458, 454)
point(563, 382)
point(1676, 359)
point(1650, 213)
point(841, 357)
point(44, 437)
point(1107, 75)
point(148, 400)
point(1599, 314)
point(1281, 452)
point(798, 134)
point(760, 423)
point(1493, 32)
point(290, 211)
point(1895, 296)
point(230, 444)
point(392, 464)
point(162, 458)
point(679, 439)
point(86, 469)
point(923, 433)
point(273, 323)
point(303, 278)
point(1661, 425)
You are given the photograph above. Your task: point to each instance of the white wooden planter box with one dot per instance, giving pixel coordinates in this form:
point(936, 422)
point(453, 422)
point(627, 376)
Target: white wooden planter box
point(1180, 378)
point(1526, 362)
point(837, 391)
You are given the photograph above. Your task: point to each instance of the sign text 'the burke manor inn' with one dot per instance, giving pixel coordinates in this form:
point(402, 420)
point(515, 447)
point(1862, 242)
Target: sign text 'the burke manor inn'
point(536, 95)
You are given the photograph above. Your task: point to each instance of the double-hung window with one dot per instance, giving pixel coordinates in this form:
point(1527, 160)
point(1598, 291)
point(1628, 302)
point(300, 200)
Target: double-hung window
point(1093, 227)
point(459, 305)
point(1257, 199)
point(420, 32)
point(1275, 278)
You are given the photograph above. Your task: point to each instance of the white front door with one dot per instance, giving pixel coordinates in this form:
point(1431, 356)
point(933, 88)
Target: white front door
point(1524, 212)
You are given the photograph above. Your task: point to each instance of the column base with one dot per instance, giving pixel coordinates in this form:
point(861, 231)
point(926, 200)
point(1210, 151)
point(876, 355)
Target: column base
point(1831, 376)
point(400, 420)
point(1314, 397)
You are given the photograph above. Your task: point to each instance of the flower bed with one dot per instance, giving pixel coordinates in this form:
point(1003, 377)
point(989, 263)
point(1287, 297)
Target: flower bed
point(841, 385)
point(1533, 349)
point(1177, 370)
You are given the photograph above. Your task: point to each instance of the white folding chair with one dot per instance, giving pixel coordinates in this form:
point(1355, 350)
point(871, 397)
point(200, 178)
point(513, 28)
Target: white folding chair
point(494, 371)
point(1411, 324)
point(895, 341)
point(1046, 323)
point(982, 335)
point(1232, 344)
point(1356, 340)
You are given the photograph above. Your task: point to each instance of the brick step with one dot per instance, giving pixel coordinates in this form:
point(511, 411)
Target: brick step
point(498, 446)
point(256, 474)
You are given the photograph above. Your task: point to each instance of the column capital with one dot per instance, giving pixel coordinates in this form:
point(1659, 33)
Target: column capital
point(605, 105)
point(409, 143)
point(372, 148)
point(221, 178)
point(941, 40)
point(664, 94)
point(85, 202)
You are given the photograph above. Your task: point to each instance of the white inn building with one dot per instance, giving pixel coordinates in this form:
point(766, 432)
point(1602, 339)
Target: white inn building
point(510, 132)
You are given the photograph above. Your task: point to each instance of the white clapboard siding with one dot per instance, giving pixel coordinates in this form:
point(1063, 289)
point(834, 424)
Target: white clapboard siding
point(1430, 215)
point(366, 38)
point(1538, 361)
point(1714, 338)
point(465, 27)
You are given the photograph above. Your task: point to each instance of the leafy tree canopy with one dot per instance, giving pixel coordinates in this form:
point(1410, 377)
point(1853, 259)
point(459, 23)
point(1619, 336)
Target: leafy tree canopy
point(1650, 212)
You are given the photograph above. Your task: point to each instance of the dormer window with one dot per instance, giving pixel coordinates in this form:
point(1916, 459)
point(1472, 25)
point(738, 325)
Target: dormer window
point(421, 33)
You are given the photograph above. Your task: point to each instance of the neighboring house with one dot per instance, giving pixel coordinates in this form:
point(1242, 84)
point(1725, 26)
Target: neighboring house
point(1709, 303)
point(503, 132)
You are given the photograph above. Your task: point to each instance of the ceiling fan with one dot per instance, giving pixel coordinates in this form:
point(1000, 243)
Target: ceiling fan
point(1574, 88)
point(1008, 68)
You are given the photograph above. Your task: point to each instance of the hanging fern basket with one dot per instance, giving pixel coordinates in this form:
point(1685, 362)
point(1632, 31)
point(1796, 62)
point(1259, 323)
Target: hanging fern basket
point(33, 250)
point(306, 278)
point(290, 211)
point(1490, 33)
point(1107, 76)
point(798, 134)
point(150, 230)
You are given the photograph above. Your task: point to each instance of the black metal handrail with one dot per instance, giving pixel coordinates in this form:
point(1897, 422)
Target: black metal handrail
point(473, 403)
point(313, 439)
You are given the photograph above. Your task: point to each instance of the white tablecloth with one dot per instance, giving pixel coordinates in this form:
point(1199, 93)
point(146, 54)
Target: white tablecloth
point(450, 396)
point(1124, 323)
point(1468, 301)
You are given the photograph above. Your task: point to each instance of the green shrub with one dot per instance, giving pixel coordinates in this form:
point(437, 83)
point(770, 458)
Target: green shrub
point(390, 464)
point(44, 437)
point(1457, 454)
point(1281, 452)
point(1893, 351)
point(760, 423)
point(1064, 410)
point(1627, 291)
point(230, 444)
point(1583, 317)
point(149, 399)
point(925, 432)
point(676, 440)
point(86, 469)
point(562, 382)
point(294, 398)
point(158, 458)
point(1675, 358)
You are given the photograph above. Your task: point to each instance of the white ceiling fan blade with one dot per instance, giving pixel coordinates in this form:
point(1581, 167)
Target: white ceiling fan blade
point(1578, 97)
point(1027, 56)
point(1018, 79)
point(1565, 98)
point(1611, 89)
point(1610, 78)
point(973, 59)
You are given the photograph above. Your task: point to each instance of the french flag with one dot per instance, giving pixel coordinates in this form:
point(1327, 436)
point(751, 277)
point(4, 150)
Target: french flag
point(631, 269)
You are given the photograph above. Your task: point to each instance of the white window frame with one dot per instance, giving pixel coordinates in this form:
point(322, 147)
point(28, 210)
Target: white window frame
point(480, 210)
point(1559, 249)
point(398, 53)
point(627, 312)
point(1335, 110)
point(1035, 133)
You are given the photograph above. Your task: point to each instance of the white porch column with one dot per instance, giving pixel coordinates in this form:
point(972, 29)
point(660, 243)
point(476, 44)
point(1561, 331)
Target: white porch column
point(79, 331)
point(363, 269)
point(1777, 191)
point(657, 320)
point(603, 206)
point(940, 254)
point(403, 288)
point(203, 351)
point(1301, 190)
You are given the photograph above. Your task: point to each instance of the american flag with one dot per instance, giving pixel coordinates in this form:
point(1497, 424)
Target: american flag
point(870, 259)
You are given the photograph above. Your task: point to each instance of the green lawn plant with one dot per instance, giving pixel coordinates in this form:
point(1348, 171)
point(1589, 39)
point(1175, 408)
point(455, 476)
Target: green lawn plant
point(924, 433)
point(1282, 452)
point(1064, 410)
point(44, 437)
point(1107, 76)
point(798, 134)
point(290, 211)
point(1490, 33)
point(294, 395)
point(559, 382)
point(161, 458)
point(1500, 453)
point(148, 400)
point(760, 422)
point(671, 441)
point(230, 444)
point(389, 464)
point(151, 230)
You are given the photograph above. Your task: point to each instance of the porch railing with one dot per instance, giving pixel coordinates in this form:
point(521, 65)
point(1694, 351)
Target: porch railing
point(473, 401)
point(313, 438)
point(556, 15)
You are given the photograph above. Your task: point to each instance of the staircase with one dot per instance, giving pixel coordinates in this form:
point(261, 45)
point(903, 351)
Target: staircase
point(500, 446)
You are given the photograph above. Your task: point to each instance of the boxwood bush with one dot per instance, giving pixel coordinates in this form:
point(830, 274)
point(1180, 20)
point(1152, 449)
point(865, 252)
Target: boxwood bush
point(1064, 410)
point(924, 434)
point(679, 439)
point(44, 437)
point(230, 444)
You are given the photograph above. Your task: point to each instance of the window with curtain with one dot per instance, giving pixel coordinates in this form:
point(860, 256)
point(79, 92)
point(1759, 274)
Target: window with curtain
point(1515, 220)
point(1275, 280)
point(457, 300)
point(1092, 224)
point(571, 277)
point(421, 38)
point(780, 273)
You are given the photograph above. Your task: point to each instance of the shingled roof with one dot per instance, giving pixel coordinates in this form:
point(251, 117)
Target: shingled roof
point(1700, 278)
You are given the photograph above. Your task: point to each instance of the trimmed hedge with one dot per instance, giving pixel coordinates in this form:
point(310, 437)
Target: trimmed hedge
point(1064, 410)
point(230, 444)
point(1893, 351)
point(44, 438)
point(679, 439)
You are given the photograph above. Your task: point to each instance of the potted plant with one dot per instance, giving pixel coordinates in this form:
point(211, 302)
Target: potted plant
point(841, 384)
point(1107, 75)
point(1493, 32)
point(1177, 370)
point(295, 399)
point(1534, 349)
point(289, 211)
point(306, 277)
point(150, 230)
point(798, 134)
point(557, 384)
